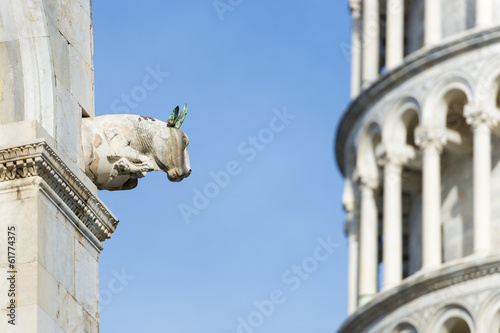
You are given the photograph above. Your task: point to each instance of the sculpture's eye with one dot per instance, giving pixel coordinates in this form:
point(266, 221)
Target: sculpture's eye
point(185, 141)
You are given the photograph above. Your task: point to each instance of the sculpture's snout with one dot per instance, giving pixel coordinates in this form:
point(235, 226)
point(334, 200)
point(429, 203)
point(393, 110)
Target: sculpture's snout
point(176, 157)
point(179, 173)
point(178, 176)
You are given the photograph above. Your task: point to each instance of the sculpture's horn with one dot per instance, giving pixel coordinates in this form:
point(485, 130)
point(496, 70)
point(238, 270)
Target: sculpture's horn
point(173, 117)
point(179, 122)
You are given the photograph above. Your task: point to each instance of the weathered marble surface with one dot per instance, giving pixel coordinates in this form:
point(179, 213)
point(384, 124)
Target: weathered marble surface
point(59, 225)
point(46, 67)
point(46, 87)
point(120, 149)
point(466, 289)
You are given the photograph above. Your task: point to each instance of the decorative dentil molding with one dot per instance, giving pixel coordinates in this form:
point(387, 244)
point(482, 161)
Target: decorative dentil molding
point(37, 159)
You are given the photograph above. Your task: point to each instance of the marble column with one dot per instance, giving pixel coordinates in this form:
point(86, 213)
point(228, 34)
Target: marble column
point(432, 22)
point(352, 231)
point(393, 221)
point(356, 49)
point(395, 33)
point(481, 122)
point(484, 13)
point(431, 141)
point(368, 263)
point(371, 42)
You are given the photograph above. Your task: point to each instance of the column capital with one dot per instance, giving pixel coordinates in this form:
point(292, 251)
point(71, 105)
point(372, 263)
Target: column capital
point(393, 155)
point(430, 137)
point(356, 7)
point(368, 182)
point(476, 115)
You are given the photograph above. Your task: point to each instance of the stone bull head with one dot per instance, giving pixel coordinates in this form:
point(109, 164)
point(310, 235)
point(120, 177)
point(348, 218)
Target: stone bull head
point(120, 149)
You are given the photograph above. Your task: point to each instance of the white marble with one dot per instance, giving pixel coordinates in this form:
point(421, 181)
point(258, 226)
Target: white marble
point(82, 81)
point(392, 251)
point(87, 278)
point(356, 44)
point(68, 124)
point(368, 244)
point(440, 240)
point(432, 141)
point(433, 22)
point(371, 42)
point(481, 123)
point(47, 83)
point(57, 261)
point(484, 13)
point(395, 33)
point(120, 149)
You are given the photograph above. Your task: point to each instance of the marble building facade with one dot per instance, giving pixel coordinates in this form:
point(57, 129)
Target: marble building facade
point(419, 148)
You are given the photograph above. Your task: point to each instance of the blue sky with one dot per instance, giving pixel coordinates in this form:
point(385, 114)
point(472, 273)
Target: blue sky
point(253, 240)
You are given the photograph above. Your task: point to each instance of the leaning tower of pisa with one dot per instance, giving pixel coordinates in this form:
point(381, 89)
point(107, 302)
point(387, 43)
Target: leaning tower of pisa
point(419, 148)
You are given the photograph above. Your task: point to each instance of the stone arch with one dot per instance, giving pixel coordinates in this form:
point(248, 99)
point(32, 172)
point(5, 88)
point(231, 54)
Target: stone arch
point(400, 121)
point(453, 318)
point(398, 136)
point(488, 84)
point(435, 109)
point(404, 327)
point(26, 65)
point(367, 165)
point(489, 315)
point(444, 108)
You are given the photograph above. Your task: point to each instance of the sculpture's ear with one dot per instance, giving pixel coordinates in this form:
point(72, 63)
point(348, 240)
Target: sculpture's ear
point(173, 117)
point(179, 122)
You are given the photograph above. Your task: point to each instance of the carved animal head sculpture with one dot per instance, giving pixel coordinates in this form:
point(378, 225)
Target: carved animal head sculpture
point(176, 159)
point(120, 149)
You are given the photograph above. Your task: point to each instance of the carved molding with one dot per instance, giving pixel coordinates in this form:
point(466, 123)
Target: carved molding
point(39, 160)
point(385, 303)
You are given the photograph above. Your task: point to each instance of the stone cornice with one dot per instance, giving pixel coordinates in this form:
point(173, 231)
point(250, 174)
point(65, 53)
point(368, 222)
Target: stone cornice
point(417, 286)
point(38, 159)
point(411, 67)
